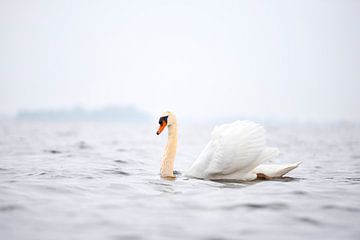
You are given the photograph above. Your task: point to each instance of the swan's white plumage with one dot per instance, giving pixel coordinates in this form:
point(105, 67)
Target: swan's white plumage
point(236, 151)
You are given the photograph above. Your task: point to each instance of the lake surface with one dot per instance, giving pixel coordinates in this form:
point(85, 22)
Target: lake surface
point(101, 181)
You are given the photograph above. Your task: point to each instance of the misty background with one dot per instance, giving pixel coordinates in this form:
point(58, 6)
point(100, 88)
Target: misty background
point(285, 60)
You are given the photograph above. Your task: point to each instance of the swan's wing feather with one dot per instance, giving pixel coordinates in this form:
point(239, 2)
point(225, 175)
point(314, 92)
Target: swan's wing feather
point(237, 145)
point(234, 148)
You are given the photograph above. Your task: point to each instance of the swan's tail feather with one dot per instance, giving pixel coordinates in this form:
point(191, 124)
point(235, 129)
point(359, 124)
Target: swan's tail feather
point(274, 170)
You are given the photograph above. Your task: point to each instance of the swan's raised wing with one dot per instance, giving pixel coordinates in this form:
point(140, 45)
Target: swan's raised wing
point(233, 151)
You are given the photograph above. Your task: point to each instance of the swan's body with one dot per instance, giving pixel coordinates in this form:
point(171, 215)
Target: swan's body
point(236, 151)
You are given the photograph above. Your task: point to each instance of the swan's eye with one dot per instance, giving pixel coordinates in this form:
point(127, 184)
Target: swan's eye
point(163, 119)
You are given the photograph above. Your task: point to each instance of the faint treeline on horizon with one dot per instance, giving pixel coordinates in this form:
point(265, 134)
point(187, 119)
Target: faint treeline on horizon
point(108, 113)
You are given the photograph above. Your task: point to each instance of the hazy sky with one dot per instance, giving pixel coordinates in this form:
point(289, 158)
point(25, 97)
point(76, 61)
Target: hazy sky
point(275, 59)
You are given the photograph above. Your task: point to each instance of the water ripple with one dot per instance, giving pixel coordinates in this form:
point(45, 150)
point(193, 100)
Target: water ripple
point(309, 220)
point(259, 206)
point(342, 208)
point(52, 151)
point(117, 172)
point(11, 207)
point(120, 161)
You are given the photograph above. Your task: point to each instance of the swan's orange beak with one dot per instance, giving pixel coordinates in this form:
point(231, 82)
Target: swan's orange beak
point(161, 128)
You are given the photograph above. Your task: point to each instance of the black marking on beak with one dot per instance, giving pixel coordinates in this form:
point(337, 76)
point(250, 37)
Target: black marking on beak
point(163, 119)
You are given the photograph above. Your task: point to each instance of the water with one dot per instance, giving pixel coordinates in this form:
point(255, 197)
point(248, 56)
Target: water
point(101, 181)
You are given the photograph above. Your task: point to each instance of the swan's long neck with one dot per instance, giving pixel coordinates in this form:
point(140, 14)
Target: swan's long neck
point(167, 164)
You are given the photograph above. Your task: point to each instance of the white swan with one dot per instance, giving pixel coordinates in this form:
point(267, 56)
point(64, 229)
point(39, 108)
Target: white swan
point(236, 151)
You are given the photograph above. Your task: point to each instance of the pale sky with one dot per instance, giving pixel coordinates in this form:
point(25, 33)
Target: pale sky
point(205, 59)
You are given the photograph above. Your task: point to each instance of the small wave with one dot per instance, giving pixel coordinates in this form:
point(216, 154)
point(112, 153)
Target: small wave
point(127, 237)
point(215, 238)
point(233, 184)
point(356, 179)
point(88, 177)
point(11, 207)
point(53, 189)
point(259, 206)
point(342, 208)
point(121, 172)
point(116, 171)
point(308, 220)
point(273, 206)
point(120, 161)
point(36, 174)
point(52, 151)
point(121, 150)
point(299, 192)
point(160, 183)
point(11, 181)
point(83, 145)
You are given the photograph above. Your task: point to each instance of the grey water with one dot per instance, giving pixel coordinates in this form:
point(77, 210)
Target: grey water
point(83, 180)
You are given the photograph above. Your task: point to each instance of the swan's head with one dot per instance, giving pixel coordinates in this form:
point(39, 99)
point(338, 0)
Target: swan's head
point(166, 119)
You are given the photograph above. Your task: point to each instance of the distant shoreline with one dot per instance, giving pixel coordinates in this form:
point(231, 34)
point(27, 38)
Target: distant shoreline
point(112, 113)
